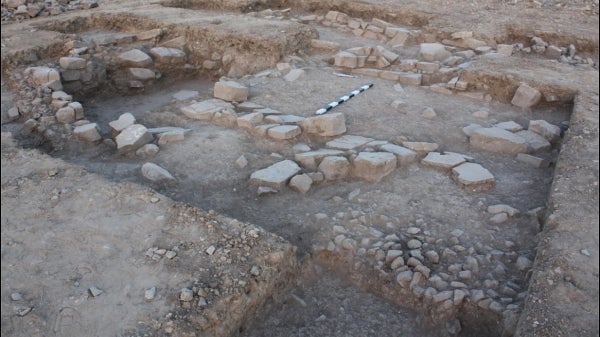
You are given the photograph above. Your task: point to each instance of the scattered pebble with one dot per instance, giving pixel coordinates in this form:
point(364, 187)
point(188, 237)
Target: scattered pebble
point(186, 295)
point(150, 294)
point(95, 291)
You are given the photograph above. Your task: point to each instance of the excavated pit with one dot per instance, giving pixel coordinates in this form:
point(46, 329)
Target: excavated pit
point(464, 270)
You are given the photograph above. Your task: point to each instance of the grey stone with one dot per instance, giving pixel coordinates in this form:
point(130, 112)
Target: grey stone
point(132, 138)
point(61, 96)
point(156, 173)
point(135, 58)
point(43, 75)
point(281, 119)
point(301, 183)
point(95, 291)
point(499, 218)
point(283, 132)
point(495, 209)
point(523, 263)
point(414, 244)
point(230, 91)
point(78, 109)
point(150, 294)
point(147, 151)
point(473, 176)
point(469, 129)
point(12, 114)
point(168, 55)
point(65, 115)
point(509, 126)
point(345, 59)
point(275, 176)
point(241, 162)
point(348, 142)
point(301, 147)
point(293, 75)
point(404, 156)
point(142, 74)
point(72, 63)
point(327, 125)
point(504, 49)
point(334, 167)
point(498, 140)
point(442, 161)
point(249, 121)
point(373, 166)
point(151, 34)
point(186, 295)
point(526, 96)
point(205, 110)
point(404, 278)
point(534, 141)
point(433, 52)
point(265, 190)
point(183, 95)
point(171, 137)
point(125, 120)
point(549, 131)
point(248, 106)
point(421, 146)
point(88, 132)
point(163, 129)
point(533, 160)
point(311, 159)
point(428, 113)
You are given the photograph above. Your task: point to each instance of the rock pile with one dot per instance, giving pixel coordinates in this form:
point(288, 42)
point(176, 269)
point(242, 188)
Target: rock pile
point(22, 9)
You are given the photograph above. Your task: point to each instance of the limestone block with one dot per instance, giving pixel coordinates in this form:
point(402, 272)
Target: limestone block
point(132, 138)
point(327, 125)
point(72, 63)
point(275, 176)
point(88, 132)
point(334, 167)
point(230, 91)
point(168, 55)
point(526, 96)
point(135, 58)
point(498, 140)
point(373, 166)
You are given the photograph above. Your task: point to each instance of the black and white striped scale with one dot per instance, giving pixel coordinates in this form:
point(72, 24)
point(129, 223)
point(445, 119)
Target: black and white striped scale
point(342, 99)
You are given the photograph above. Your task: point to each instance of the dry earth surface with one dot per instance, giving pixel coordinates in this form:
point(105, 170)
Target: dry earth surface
point(203, 242)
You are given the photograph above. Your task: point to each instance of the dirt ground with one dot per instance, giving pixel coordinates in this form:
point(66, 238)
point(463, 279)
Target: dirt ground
point(77, 216)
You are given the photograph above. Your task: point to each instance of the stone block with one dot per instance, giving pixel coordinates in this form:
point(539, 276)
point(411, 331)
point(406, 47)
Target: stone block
point(498, 140)
point(526, 96)
point(504, 49)
point(124, 121)
point(65, 115)
point(421, 146)
point(511, 126)
point(533, 160)
point(433, 52)
point(132, 138)
point(428, 67)
point(404, 156)
point(152, 34)
point(156, 173)
point(171, 137)
point(410, 79)
point(230, 91)
point(249, 121)
point(334, 167)
point(547, 130)
point(275, 176)
point(88, 132)
point(535, 141)
point(327, 125)
point(284, 132)
point(473, 176)
point(348, 142)
point(293, 75)
point(373, 166)
point(442, 161)
point(345, 59)
point(205, 110)
point(135, 58)
point(142, 74)
point(301, 183)
point(311, 159)
point(324, 45)
point(72, 63)
point(147, 151)
point(167, 55)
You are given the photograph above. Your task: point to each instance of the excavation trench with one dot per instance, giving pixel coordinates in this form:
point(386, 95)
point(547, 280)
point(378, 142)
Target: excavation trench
point(473, 270)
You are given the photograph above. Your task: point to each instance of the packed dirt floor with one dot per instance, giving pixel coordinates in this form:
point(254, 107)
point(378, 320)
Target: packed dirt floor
point(250, 216)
